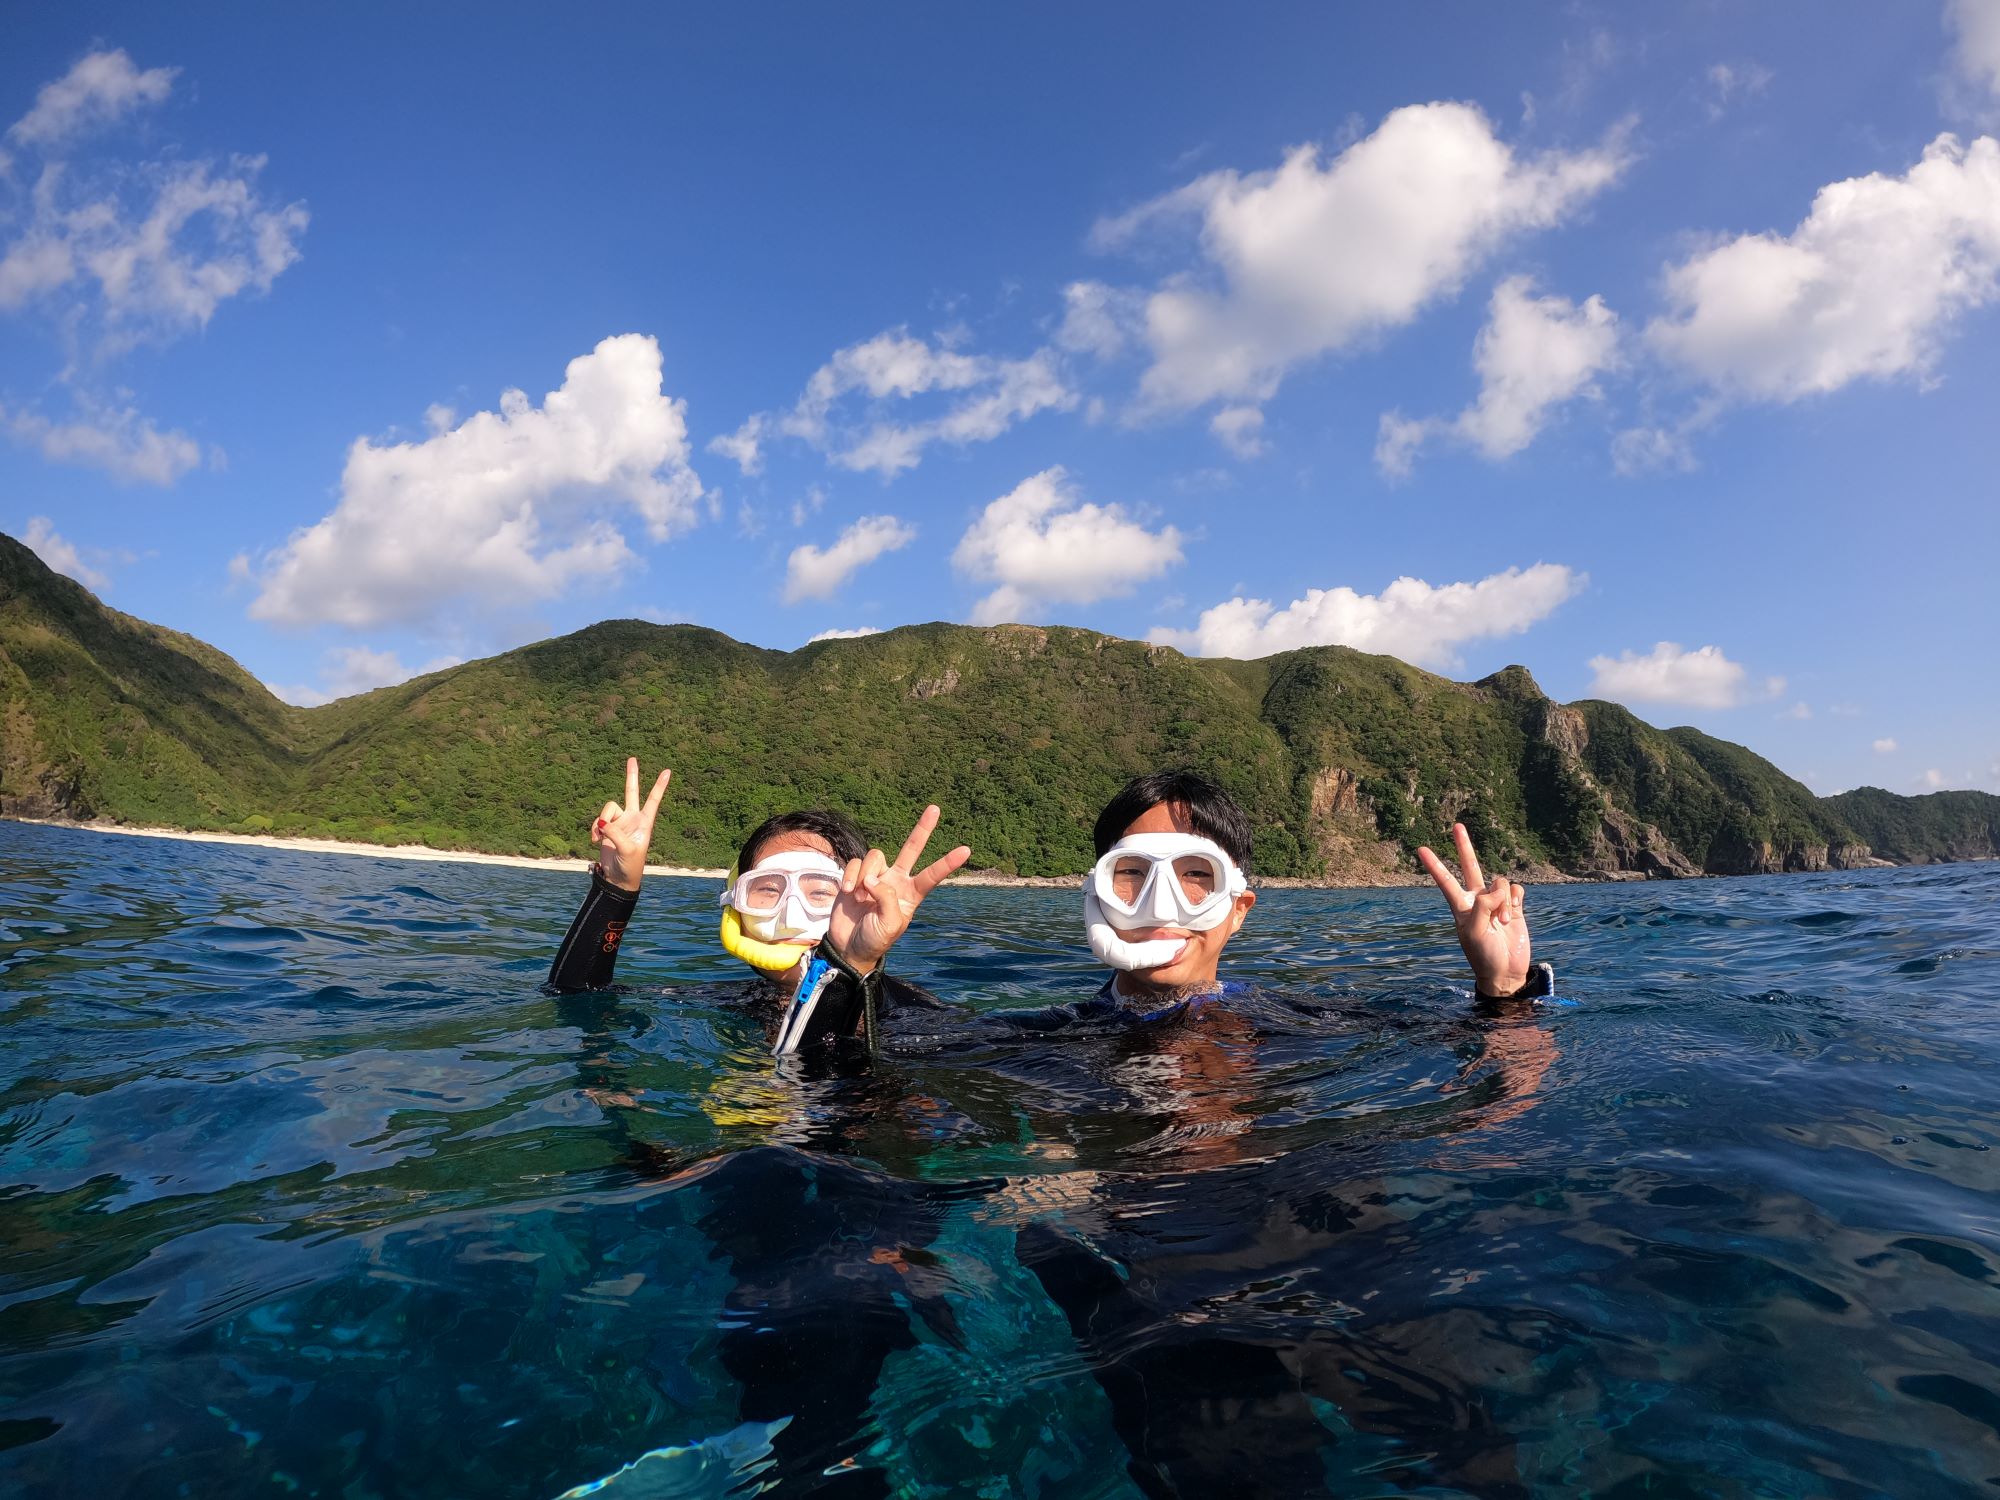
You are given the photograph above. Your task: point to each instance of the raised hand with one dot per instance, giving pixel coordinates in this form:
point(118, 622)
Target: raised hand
point(1491, 926)
point(878, 899)
point(623, 831)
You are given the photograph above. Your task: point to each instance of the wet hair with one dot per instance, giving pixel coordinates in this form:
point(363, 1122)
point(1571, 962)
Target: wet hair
point(836, 828)
point(1210, 811)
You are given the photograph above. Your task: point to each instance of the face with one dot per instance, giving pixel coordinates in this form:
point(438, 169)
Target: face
point(1198, 961)
point(792, 841)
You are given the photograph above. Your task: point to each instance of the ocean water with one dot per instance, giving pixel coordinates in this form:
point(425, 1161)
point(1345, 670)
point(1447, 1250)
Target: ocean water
point(306, 1189)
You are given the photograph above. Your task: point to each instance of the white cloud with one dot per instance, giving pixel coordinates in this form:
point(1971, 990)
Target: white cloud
point(845, 635)
point(1042, 545)
point(1534, 354)
point(991, 395)
point(347, 670)
point(1410, 619)
point(1885, 747)
point(1931, 780)
point(43, 540)
point(1099, 320)
point(100, 88)
point(152, 254)
point(119, 441)
point(1240, 429)
point(809, 506)
point(1703, 678)
point(1976, 26)
point(813, 573)
point(744, 446)
point(1868, 286)
point(459, 516)
point(118, 252)
point(1730, 83)
point(1800, 711)
point(1314, 256)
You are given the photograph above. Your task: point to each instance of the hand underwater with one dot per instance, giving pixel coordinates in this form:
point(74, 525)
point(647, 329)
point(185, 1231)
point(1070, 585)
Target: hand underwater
point(878, 899)
point(1492, 929)
point(622, 833)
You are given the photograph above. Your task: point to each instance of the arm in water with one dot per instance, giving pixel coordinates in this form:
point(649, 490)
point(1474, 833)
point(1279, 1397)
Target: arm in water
point(1492, 927)
point(622, 833)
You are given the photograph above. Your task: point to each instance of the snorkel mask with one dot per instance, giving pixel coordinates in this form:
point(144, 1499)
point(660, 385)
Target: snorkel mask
point(1157, 880)
point(773, 913)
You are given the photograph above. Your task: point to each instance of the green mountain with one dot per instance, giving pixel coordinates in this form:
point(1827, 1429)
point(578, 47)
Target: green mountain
point(1346, 761)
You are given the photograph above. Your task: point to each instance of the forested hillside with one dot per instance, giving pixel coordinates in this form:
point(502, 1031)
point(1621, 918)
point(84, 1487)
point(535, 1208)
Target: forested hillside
point(1346, 761)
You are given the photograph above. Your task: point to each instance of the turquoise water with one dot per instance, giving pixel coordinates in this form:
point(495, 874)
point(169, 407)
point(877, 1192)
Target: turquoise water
point(306, 1189)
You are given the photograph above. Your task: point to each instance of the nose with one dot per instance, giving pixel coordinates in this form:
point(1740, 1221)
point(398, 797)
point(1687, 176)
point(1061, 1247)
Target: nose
point(1162, 908)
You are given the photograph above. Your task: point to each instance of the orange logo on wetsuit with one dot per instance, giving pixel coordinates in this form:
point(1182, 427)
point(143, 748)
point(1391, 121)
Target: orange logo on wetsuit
point(613, 931)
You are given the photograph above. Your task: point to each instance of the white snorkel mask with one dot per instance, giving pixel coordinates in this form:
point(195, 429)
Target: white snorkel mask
point(788, 898)
point(1157, 880)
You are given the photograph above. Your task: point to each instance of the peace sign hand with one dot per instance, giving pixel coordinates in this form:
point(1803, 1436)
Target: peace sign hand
point(622, 833)
point(1492, 929)
point(878, 899)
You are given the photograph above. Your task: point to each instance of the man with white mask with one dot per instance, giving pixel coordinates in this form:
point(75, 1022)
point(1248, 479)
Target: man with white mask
point(809, 906)
point(1170, 889)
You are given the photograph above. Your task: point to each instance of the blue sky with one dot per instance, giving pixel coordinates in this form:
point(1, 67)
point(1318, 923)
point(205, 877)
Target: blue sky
point(1653, 351)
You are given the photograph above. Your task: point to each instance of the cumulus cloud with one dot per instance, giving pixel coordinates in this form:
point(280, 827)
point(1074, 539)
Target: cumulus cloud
point(1731, 83)
point(845, 635)
point(119, 252)
point(1101, 321)
point(1533, 355)
point(347, 670)
point(1869, 285)
point(745, 446)
point(1975, 27)
point(1240, 429)
point(1315, 255)
point(118, 440)
point(1410, 618)
point(1885, 747)
point(986, 396)
point(51, 547)
point(460, 516)
point(815, 573)
point(100, 88)
point(1042, 544)
point(1703, 678)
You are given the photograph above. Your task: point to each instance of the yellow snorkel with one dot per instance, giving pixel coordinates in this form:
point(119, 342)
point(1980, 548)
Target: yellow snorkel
point(772, 958)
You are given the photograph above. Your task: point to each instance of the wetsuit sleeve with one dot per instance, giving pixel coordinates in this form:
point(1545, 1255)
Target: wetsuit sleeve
point(1541, 984)
point(589, 950)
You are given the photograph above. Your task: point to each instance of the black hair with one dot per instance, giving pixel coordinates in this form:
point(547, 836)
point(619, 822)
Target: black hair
point(836, 828)
point(1211, 811)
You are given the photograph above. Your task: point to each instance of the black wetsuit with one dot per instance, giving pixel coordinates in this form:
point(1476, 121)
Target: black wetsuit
point(1203, 1407)
point(852, 1007)
point(827, 1258)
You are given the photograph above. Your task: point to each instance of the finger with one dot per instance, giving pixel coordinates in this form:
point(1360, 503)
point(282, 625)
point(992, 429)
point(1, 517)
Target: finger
point(659, 790)
point(1515, 896)
point(1495, 896)
point(1446, 881)
point(873, 866)
point(1467, 860)
point(850, 876)
point(938, 872)
point(913, 846)
point(612, 812)
point(632, 781)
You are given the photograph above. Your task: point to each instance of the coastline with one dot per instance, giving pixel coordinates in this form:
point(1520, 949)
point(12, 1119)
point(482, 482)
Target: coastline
point(344, 846)
point(573, 865)
point(423, 854)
